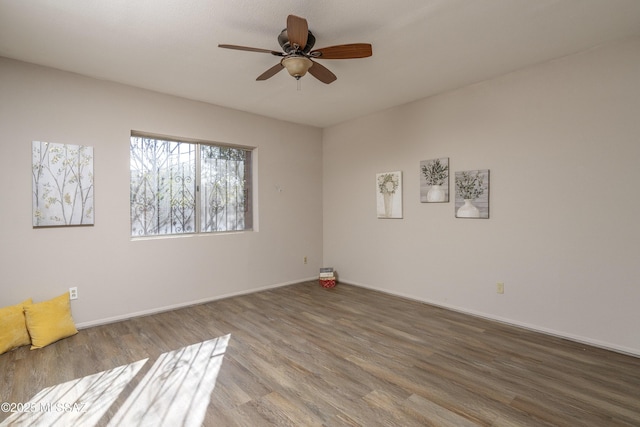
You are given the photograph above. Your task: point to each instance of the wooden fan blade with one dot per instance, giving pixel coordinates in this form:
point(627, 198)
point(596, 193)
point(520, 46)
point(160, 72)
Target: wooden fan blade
point(344, 51)
point(322, 73)
point(297, 31)
point(250, 49)
point(271, 72)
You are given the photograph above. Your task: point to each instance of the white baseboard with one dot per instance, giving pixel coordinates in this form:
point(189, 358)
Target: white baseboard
point(122, 317)
point(511, 322)
point(536, 328)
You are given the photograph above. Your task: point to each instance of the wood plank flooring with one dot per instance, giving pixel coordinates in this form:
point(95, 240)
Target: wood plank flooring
point(302, 355)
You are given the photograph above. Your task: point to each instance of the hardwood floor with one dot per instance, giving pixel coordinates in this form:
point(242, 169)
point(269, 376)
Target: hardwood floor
point(302, 355)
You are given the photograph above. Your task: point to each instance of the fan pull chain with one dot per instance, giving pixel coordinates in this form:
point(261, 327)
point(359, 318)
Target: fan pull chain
point(299, 85)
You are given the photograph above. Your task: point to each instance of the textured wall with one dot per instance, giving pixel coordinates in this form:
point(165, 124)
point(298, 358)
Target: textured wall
point(562, 143)
point(117, 277)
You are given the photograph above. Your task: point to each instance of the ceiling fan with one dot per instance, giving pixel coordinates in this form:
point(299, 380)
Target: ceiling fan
point(297, 57)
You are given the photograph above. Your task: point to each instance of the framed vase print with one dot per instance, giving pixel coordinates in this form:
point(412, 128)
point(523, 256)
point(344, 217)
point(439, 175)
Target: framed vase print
point(472, 194)
point(62, 178)
point(389, 194)
point(434, 180)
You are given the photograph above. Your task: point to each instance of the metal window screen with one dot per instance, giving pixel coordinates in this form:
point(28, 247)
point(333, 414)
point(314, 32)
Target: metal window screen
point(166, 177)
point(224, 192)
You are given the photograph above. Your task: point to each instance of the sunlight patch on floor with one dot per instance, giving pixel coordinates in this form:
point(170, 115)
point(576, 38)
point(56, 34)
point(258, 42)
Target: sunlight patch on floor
point(79, 402)
point(175, 391)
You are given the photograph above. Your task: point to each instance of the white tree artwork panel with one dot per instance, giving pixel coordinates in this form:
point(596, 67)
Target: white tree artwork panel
point(62, 184)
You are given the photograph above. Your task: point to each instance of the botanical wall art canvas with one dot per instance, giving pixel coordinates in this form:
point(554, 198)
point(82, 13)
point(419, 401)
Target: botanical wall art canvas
point(472, 194)
point(62, 177)
point(434, 180)
point(389, 194)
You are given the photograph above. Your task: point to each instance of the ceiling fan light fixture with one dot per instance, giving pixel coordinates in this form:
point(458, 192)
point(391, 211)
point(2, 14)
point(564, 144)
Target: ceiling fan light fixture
point(297, 55)
point(297, 66)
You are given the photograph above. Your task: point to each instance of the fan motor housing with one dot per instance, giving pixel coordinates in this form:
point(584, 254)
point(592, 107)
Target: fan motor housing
point(283, 40)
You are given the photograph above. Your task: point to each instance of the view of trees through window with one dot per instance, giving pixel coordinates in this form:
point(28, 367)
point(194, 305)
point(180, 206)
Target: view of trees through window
point(180, 187)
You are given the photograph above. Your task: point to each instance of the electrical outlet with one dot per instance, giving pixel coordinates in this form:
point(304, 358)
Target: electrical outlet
point(305, 259)
point(73, 293)
point(500, 288)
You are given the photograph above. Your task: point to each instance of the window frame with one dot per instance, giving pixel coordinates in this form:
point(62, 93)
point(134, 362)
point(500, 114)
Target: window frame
point(248, 187)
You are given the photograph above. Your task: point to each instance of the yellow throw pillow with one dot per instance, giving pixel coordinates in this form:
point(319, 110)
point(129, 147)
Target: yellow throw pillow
point(13, 328)
point(49, 321)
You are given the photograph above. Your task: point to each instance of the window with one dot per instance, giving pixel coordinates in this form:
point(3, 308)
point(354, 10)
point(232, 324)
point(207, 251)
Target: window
point(183, 187)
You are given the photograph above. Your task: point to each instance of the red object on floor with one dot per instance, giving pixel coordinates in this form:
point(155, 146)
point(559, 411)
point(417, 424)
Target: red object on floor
point(328, 283)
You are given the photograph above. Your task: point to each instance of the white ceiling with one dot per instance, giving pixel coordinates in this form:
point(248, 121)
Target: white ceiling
point(420, 47)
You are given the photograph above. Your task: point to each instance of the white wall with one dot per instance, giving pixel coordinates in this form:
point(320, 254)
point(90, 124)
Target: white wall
point(117, 277)
point(562, 142)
